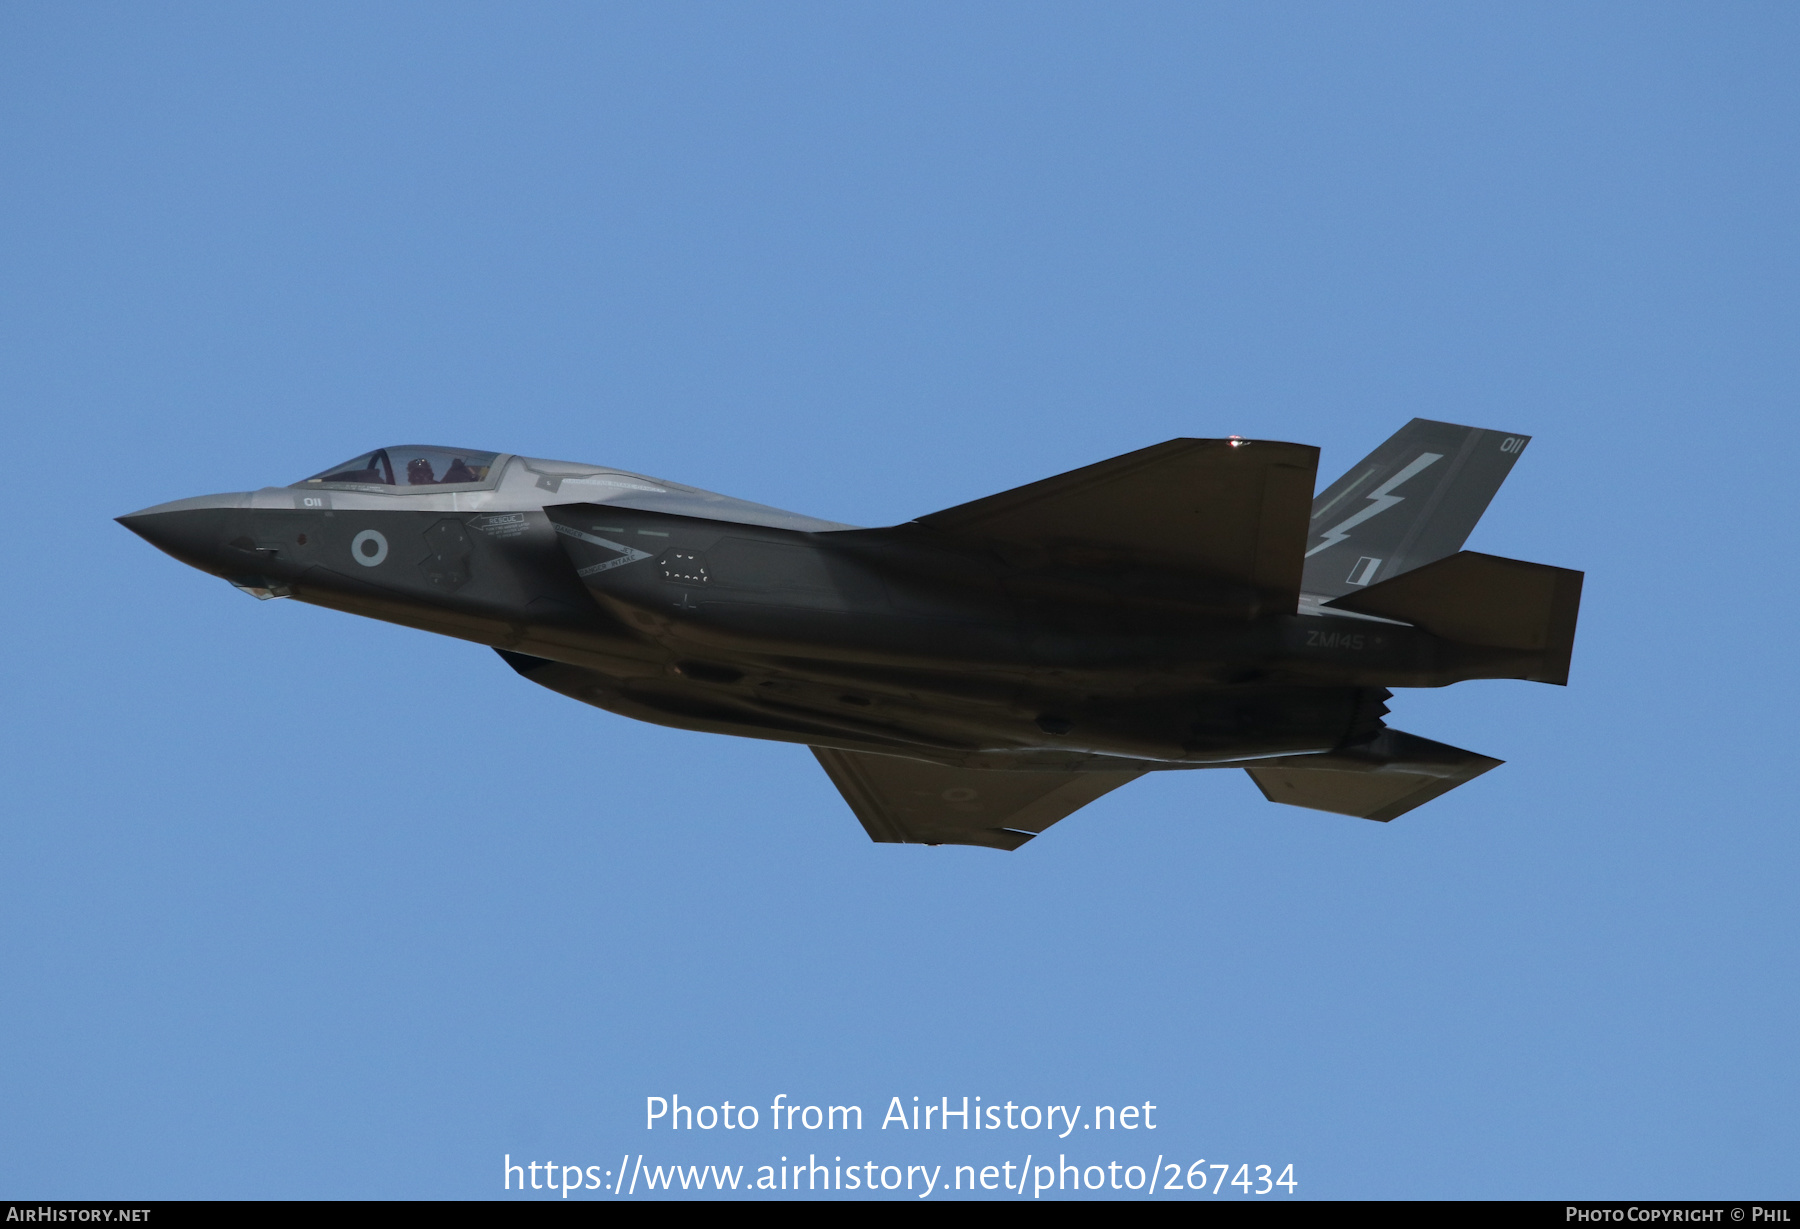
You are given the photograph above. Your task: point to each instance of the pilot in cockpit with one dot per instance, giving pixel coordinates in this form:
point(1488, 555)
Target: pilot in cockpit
point(418, 464)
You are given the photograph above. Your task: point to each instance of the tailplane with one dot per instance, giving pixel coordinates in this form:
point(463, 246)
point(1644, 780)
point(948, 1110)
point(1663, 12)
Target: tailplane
point(1380, 779)
point(1411, 501)
point(1526, 610)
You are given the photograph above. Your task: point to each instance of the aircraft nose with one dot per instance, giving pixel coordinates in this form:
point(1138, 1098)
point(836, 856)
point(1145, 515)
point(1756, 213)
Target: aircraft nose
point(192, 530)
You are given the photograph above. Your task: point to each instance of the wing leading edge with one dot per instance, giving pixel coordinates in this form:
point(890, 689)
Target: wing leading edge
point(1236, 510)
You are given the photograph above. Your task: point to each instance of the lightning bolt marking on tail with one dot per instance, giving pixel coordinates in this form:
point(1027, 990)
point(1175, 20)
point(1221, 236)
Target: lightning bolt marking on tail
point(1379, 501)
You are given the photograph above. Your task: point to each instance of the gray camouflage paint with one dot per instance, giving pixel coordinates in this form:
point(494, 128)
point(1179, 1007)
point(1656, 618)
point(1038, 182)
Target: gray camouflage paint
point(913, 644)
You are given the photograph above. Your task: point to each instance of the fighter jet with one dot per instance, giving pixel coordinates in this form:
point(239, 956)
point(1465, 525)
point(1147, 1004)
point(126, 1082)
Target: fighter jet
point(977, 674)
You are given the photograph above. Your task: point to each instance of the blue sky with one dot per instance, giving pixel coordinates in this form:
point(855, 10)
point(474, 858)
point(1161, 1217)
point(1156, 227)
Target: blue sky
point(296, 904)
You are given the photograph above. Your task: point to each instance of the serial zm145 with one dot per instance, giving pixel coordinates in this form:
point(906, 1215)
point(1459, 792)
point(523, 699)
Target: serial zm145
point(975, 675)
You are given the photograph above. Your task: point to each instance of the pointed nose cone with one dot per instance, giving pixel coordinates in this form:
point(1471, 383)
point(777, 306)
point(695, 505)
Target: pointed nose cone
point(192, 530)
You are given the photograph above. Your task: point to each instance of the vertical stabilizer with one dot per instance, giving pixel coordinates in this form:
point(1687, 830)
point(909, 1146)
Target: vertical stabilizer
point(1411, 501)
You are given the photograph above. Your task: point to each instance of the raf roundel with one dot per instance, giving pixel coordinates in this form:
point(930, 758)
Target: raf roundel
point(369, 548)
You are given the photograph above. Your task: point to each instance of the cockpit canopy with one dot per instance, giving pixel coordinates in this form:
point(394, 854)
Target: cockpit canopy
point(410, 467)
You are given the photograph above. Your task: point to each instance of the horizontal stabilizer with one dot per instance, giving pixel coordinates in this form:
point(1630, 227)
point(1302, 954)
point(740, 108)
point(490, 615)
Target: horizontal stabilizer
point(1380, 779)
point(1486, 601)
point(905, 801)
point(1235, 510)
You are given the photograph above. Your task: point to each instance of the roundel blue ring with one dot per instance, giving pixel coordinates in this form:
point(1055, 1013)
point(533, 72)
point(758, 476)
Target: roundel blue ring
point(381, 548)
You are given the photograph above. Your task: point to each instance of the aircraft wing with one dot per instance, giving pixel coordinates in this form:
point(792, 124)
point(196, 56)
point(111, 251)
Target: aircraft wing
point(1237, 510)
point(905, 801)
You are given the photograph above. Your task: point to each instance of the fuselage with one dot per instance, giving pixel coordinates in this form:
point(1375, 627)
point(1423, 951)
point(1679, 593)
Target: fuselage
point(696, 610)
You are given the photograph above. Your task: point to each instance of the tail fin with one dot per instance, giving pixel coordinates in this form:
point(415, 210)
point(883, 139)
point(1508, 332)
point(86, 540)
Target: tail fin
point(1412, 500)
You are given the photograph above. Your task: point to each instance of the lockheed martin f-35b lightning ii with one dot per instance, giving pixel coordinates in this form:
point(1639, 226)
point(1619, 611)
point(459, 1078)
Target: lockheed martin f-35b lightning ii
point(977, 674)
